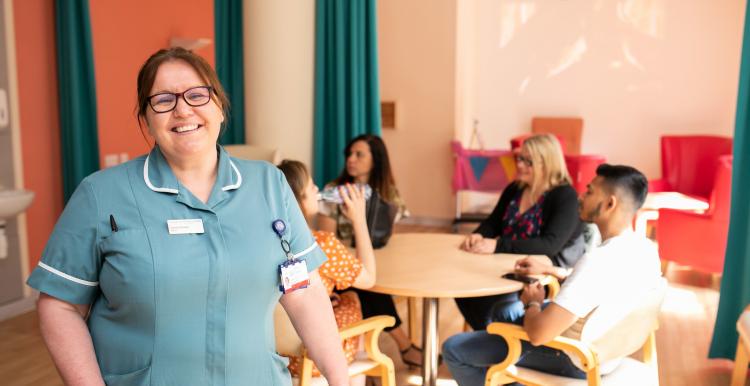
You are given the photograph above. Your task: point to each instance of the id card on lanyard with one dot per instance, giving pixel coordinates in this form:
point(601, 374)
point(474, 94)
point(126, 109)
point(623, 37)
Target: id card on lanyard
point(293, 272)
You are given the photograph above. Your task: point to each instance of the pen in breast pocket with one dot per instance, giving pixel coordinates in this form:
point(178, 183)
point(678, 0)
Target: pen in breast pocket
point(112, 223)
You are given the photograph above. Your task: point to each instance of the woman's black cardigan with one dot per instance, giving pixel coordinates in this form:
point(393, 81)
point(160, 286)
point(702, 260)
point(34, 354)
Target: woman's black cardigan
point(560, 235)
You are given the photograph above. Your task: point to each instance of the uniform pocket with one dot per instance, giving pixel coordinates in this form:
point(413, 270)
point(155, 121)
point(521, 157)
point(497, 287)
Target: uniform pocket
point(122, 319)
point(128, 267)
point(140, 377)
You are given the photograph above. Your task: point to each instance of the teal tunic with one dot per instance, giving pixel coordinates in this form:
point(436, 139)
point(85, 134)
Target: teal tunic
point(178, 309)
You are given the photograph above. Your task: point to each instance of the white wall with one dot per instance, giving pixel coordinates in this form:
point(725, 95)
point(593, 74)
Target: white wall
point(642, 68)
point(633, 69)
point(279, 69)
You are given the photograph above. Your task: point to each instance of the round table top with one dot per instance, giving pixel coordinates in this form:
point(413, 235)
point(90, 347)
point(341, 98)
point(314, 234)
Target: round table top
point(431, 265)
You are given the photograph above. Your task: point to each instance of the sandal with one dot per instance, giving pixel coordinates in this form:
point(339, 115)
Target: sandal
point(419, 350)
point(409, 362)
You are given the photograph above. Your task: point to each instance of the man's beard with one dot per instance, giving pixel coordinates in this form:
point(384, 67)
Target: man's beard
point(593, 214)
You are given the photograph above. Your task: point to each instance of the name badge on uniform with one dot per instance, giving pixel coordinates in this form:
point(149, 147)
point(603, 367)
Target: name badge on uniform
point(294, 275)
point(185, 226)
point(293, 272)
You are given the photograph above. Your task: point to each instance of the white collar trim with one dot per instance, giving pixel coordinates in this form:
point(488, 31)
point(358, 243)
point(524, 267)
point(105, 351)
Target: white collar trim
point(239, 178)
point(150, 185)
point(175, 191)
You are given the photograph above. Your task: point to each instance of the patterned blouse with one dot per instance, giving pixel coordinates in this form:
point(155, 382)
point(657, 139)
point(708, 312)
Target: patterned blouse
point(522, 226)
point(338, 272)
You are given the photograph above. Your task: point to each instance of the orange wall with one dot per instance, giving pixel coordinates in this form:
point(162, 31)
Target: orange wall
point(120, 47)
point(125, 34)
point(40, 138)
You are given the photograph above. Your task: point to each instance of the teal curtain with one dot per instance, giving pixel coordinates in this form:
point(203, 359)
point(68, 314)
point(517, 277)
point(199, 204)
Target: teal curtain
point(230, 66)
point(347, 94)
point(77, 91)
point(735, 283)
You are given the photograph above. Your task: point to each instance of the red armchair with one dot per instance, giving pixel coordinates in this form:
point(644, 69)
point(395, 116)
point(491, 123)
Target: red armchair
point(699, 239)
point(688, 164)
point(582, 169)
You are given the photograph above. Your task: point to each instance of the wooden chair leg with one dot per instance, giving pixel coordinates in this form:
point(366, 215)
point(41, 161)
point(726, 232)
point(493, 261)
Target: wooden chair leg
point(388, 376)
point(305, 377)
point(664, 267)
point(413, 323)
point(739, 375)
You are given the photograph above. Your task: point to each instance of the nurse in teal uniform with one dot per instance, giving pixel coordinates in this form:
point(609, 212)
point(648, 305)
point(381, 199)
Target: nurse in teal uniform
point(165, 270)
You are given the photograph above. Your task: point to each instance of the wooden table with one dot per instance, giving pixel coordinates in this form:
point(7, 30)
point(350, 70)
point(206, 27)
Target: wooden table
point(430, 266)
point(665, 200)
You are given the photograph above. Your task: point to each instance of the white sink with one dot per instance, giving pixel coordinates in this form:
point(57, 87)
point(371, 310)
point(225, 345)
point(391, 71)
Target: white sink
point(13, 202)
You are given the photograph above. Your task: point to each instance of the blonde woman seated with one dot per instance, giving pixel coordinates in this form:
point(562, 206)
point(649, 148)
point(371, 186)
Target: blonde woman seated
point(342, 270)
point(537, 214)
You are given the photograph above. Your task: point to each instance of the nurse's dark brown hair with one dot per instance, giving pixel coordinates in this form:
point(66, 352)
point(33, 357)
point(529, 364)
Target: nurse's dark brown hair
point(148, 71)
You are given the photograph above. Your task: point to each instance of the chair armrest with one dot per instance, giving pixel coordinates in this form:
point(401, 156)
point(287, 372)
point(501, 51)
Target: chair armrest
point(371, 328)
point(552, 284)
point(514, 334)
point(372, 324)
point(681, 215)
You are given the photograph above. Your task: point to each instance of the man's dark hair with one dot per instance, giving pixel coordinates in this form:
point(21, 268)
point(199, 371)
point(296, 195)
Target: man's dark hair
point(626, 180)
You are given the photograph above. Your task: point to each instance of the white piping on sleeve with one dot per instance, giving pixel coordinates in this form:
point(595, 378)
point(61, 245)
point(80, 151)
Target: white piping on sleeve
point(66, 276)
point(239, 178)
point(148, 181)
point(306, 251)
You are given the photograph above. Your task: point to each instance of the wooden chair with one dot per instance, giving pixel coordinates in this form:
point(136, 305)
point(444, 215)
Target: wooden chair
point(254, 152)
point(553, 288)
point(371, 362)
point(739, 375)
point(634, 332)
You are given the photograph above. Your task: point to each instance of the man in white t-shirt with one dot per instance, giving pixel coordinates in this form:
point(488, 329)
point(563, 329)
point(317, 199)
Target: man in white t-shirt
point(612, 278)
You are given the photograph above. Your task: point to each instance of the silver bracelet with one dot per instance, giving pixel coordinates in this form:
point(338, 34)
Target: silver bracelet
point(532, 303)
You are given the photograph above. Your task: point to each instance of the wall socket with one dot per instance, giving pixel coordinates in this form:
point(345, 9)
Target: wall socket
point(115, 159)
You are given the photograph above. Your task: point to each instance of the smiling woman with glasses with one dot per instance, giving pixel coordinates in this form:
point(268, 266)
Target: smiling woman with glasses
point(537, 214)
point(166, 269)
point(165, 102)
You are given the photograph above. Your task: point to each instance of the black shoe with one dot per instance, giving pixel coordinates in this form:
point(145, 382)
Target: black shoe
point(415, 364)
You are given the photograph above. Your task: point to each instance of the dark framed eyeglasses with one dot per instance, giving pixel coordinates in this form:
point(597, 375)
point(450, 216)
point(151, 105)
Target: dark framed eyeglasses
point(525, 160)
point(165, 102)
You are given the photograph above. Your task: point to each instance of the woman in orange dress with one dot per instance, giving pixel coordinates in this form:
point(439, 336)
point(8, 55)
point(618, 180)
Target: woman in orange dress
point(342, 270)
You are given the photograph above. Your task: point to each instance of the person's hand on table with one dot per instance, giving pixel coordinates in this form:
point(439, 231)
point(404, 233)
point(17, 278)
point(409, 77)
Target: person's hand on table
point(484, 246)
point(529, 266)
point(470, 241)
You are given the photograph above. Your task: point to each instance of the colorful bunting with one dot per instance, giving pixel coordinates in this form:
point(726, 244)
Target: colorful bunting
point(509, 165)
point(478, 164)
